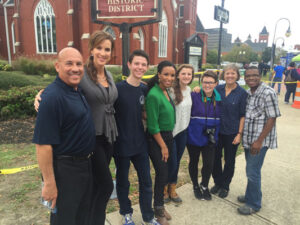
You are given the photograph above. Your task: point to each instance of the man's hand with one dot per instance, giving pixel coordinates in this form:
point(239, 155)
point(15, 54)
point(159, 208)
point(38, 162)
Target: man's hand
point(237, 139)
point(49, 192)
point(255, 147)
point(37, 100)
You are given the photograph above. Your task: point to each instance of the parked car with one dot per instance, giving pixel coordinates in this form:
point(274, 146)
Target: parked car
point(253, 64)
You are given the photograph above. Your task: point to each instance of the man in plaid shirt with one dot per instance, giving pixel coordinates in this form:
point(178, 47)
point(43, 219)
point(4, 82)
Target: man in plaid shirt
point(258, 136)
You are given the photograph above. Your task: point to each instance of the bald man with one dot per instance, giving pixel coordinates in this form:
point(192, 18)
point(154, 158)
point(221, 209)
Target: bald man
point(64, 137)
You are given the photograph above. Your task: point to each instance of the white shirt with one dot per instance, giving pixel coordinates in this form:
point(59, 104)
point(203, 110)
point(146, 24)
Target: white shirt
point(183, 111)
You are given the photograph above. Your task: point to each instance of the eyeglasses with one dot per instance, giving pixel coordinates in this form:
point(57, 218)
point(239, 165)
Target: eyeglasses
point(208, 83)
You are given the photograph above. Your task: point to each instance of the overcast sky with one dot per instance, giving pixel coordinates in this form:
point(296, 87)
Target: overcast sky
point(250, 16)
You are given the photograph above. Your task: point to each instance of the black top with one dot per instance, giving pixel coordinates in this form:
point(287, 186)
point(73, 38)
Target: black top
point(233, 107)
point(64, 121)
point(129, 107)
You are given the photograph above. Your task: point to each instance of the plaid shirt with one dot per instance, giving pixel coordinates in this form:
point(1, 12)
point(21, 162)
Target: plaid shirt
point(261, 105)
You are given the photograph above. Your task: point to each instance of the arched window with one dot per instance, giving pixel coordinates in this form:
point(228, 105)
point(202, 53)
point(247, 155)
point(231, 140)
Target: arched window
point(109, 30)
point(163, 36)
point(45, 27)
point(13, 37)
point(142, 40)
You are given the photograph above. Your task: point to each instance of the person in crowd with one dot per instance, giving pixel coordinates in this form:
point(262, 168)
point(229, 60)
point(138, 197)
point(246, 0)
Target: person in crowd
point(160, 111)
point(291, 87)
point(278, 71)
point(233, 106)
point(64, 138)
point(181, 96)
point(259, 135)
point(131, 144)
point(261, 66)
point(298, 69)
point(203, 133)
point(101, 93)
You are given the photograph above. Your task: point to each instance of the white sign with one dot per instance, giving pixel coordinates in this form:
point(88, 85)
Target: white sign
point(195, 50)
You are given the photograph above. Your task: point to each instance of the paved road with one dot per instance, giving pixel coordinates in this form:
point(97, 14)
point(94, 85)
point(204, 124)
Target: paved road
point(280, 186)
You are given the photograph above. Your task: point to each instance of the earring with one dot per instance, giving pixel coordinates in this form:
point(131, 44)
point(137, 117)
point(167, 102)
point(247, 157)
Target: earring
point(91, 57)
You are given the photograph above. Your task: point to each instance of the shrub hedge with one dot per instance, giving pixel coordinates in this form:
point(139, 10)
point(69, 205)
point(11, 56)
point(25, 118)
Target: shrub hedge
point(18, 102)
point(34, 66)
point(10, 79)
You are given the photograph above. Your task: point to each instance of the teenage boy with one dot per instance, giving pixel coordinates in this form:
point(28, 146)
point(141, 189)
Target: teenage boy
point(131, 144)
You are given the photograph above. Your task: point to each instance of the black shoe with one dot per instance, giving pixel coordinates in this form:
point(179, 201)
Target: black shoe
point(198, 193)
point(206, 194)
point(215, 189)
point(223, 193)
point(241, 199)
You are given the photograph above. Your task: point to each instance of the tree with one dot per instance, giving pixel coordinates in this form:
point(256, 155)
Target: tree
point(241, 54)
point(212, 56)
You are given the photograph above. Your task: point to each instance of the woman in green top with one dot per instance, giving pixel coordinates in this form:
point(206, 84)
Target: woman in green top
point(160, 123)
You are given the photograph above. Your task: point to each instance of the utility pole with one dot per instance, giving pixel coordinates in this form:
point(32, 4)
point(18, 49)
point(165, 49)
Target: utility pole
point(220, 39)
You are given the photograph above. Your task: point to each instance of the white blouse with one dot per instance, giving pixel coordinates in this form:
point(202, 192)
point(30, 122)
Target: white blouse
point(183, 110)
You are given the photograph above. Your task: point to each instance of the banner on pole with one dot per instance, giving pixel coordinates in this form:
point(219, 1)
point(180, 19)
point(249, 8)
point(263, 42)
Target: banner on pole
point(126, 8)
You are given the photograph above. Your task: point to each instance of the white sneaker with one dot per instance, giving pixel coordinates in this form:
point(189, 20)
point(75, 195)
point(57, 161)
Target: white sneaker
point(127, 219)
point(152, 222)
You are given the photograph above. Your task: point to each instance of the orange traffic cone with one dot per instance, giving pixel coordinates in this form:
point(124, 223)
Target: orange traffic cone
point(297, 97)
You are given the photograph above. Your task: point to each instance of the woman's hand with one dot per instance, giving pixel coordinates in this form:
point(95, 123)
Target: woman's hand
point(37, 100)
point(237, 139)
point(165, 153)
point(197, 89)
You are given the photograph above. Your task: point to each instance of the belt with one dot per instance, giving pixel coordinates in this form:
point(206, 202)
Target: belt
point(70, 157)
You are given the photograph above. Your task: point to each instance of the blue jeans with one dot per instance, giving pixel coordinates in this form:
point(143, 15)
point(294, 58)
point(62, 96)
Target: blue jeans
point(277, 79)
point(254, 164)
point(142, 165)
point(174, 160)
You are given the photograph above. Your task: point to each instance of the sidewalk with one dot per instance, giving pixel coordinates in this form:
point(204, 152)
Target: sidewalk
point(280, 186)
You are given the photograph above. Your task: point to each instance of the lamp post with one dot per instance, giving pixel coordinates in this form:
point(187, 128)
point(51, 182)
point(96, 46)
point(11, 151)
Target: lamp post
point(287, 34)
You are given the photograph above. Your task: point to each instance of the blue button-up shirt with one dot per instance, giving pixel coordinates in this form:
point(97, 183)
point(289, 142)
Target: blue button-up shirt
point(232, 109)
point(64, 121)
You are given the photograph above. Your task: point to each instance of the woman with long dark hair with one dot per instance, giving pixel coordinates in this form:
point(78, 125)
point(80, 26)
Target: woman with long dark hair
point(181, 95)
point(160, 111)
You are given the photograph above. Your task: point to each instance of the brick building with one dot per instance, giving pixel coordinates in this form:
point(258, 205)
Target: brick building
point(41, 28)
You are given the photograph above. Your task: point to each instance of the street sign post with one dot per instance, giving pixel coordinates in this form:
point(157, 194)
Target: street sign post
point(221, 14)
point(115, 9)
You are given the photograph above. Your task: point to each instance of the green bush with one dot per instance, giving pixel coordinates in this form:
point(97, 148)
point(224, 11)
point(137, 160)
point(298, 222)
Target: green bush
point(34, 66)
point(209, 66)
point(18, 102)
point(11, 79)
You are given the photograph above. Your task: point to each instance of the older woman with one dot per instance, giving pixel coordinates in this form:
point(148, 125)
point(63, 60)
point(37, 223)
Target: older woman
point(232, 122)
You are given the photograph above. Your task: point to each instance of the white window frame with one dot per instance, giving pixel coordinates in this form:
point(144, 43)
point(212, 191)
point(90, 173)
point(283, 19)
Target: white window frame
point(13, 37)
point(163, 36)
point(142, 39)
point(111, 31)
point(44, 11)
point(181, 6)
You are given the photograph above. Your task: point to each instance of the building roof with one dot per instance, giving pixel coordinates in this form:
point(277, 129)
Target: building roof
point(199, 25)
point(264, 31)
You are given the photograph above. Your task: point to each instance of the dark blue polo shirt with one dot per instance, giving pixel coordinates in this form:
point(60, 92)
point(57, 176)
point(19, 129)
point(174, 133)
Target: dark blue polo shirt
point(64, 121)
point(233, 108)
point(129, 107)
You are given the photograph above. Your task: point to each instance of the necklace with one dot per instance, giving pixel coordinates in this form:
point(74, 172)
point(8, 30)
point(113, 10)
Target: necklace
point(101, 78)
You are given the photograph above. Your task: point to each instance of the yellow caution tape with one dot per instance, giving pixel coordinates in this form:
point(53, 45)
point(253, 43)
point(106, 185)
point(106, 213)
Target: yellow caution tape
point(280, 82)
point(17, 170)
